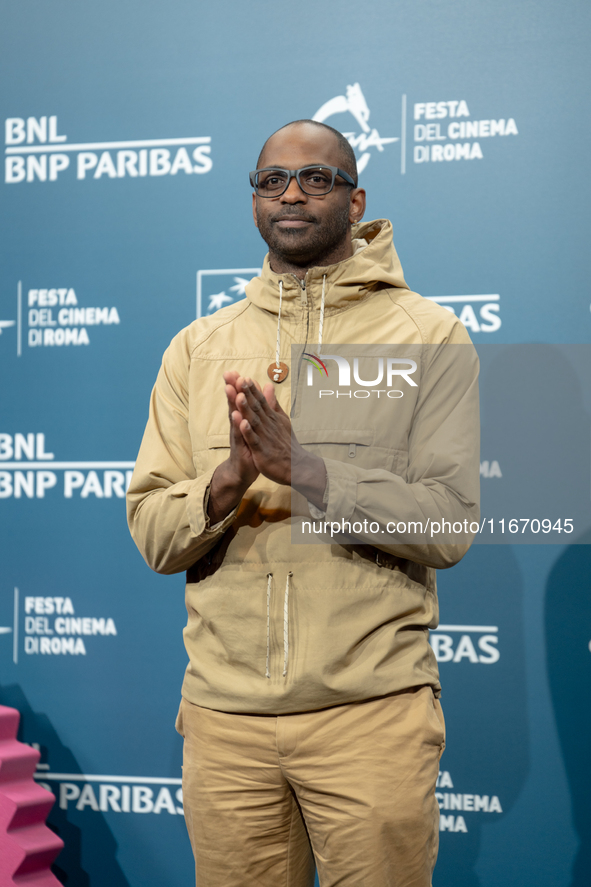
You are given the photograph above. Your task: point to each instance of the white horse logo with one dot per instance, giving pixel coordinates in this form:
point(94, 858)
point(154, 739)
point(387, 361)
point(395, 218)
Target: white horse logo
point(354, 102)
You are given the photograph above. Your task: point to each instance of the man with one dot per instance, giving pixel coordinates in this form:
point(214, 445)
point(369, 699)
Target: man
point(310, 714)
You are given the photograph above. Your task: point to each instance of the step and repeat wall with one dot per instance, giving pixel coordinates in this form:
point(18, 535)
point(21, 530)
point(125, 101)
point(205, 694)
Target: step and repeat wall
point(129, 131)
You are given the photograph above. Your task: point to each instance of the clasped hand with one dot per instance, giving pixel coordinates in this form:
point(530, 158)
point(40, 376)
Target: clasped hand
point(261, 442)
point(261, 437)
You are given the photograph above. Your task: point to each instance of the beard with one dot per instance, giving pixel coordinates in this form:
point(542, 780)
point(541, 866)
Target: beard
point(305, 246)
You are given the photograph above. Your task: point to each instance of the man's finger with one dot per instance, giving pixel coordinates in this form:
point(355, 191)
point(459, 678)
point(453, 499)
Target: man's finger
point(254, 395)
point(249, 434)
point(237, 441)
point(235, 434)
point(231, 377)
point(231, 397)
point(230, 392)
point(250, 410)
point(271, 398)
point(235, 420)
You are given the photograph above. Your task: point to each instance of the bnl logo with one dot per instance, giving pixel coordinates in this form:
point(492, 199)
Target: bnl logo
point(217, 288)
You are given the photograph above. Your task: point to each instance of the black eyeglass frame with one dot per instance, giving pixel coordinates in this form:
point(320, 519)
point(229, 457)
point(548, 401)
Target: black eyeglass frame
point(295, 174)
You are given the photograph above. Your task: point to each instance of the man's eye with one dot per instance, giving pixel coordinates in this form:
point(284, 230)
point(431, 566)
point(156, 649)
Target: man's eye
point(271, 181)
point(317, 178)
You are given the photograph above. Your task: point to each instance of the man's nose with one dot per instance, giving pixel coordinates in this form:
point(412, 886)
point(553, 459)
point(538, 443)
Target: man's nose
point(294, 193)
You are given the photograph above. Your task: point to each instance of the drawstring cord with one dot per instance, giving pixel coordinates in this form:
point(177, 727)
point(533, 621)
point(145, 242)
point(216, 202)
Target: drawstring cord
point(321, 327)
point(286, 624)
point(269, 579)
point(278, 345)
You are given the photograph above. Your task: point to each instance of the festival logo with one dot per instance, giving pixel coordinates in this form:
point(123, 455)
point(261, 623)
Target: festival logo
point(437, 131)
point(466, 802)
point(51, 625)
point(54, 317)
point(364, 138)
point(443, 131)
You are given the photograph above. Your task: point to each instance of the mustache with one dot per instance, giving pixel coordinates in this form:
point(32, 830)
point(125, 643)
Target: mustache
point(294, 214)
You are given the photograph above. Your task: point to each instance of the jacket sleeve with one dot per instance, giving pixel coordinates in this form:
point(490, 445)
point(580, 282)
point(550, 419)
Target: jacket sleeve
point(166, 500)
point(442, 482)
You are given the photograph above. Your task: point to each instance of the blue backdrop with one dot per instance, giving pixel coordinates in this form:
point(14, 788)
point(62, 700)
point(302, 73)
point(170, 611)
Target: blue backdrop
point(130, 128)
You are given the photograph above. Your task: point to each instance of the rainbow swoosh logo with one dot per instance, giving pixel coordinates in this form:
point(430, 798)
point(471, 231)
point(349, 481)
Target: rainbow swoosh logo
point(316, 362)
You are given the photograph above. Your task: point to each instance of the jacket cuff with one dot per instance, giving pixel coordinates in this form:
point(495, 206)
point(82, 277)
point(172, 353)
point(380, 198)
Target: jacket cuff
point(319, 513)
point(197, 502)
point(341, 485)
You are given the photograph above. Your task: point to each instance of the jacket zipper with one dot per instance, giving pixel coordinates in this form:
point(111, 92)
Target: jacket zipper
point(303, 294)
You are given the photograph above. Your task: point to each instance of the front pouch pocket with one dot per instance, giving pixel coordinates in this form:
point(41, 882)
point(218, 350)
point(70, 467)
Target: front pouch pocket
point(361, 447)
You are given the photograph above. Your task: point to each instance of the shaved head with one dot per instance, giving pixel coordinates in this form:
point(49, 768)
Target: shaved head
point(305, 230)
point(347, 160)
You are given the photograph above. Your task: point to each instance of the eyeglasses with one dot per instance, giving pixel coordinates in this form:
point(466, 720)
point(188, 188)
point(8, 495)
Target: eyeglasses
point(313, 180)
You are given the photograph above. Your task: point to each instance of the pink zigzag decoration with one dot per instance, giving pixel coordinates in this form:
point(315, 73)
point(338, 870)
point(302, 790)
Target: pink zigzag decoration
point(27, 846)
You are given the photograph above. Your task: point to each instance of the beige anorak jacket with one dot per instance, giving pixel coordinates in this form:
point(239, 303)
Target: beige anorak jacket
point(277, 627)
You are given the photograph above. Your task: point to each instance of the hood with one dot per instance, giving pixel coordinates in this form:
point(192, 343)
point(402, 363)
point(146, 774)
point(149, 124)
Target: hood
point(375, 264)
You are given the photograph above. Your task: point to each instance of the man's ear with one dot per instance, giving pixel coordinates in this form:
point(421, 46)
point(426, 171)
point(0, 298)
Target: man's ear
point(254, 208)
point(356, 205)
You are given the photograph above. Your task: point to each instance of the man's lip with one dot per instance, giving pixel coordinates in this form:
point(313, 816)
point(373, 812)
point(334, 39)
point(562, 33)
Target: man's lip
point(291, 222)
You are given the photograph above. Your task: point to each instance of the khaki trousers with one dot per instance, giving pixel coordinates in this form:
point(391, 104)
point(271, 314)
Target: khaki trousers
point(351, 788)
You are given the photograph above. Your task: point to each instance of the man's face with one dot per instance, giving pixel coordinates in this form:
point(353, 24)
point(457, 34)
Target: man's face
point(299, 228)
